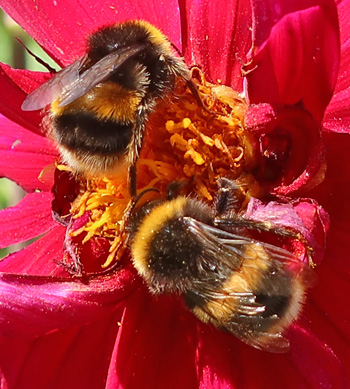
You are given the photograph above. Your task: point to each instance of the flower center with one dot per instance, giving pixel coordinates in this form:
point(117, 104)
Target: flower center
point(189, 139)
point(196, 142)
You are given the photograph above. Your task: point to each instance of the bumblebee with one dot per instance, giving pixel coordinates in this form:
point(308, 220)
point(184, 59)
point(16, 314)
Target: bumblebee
point(99, 104)
point(250, 288)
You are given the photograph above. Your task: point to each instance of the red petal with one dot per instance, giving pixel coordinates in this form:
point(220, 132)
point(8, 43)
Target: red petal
point(217, 36)
point(70, 359)
point(225, 362)
point(333, 194)
point(296, 54)
point(337, 116)
point(316, 361)
point(32, 306)
point(26, 80)
point(61, 27)
point(39, 258)
point(218, 359)
point(329, 316)
point(152, 327)
point(27, 220)
point(24, 155)
point(15, 84)
point(154, 347)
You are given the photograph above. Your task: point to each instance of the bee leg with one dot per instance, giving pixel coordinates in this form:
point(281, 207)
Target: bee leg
point(268, 227)
point(192, 86)
point(132, 180)
point(229, 198)
point(289, 233)
point(75, 269)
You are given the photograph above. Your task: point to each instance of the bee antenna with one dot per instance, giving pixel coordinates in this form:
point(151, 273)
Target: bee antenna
point(138, 197)
point(39, 60)
point(176, 49)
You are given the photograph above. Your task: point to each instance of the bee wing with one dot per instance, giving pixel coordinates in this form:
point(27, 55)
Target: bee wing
point(68, 84)
point(53, 88)
point(250, 311)
point(231, 248)
point(99, 72)
point(273, 343)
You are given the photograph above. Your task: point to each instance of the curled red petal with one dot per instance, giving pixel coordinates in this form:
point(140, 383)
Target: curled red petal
point(292, 153)
point(61, 27)
point(87, 256)
point(28, 219)
point(24, 156)
point(32, 306)
point(317, 223)
point(216, 37)
point(302, 215)
point(337, 116)
point(65, 190)
point(295, 56)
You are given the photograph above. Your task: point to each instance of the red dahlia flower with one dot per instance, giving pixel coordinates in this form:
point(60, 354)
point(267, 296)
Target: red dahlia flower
point(56, 331)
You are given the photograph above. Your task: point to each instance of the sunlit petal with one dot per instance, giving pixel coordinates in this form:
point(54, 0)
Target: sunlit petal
point(24, 156)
